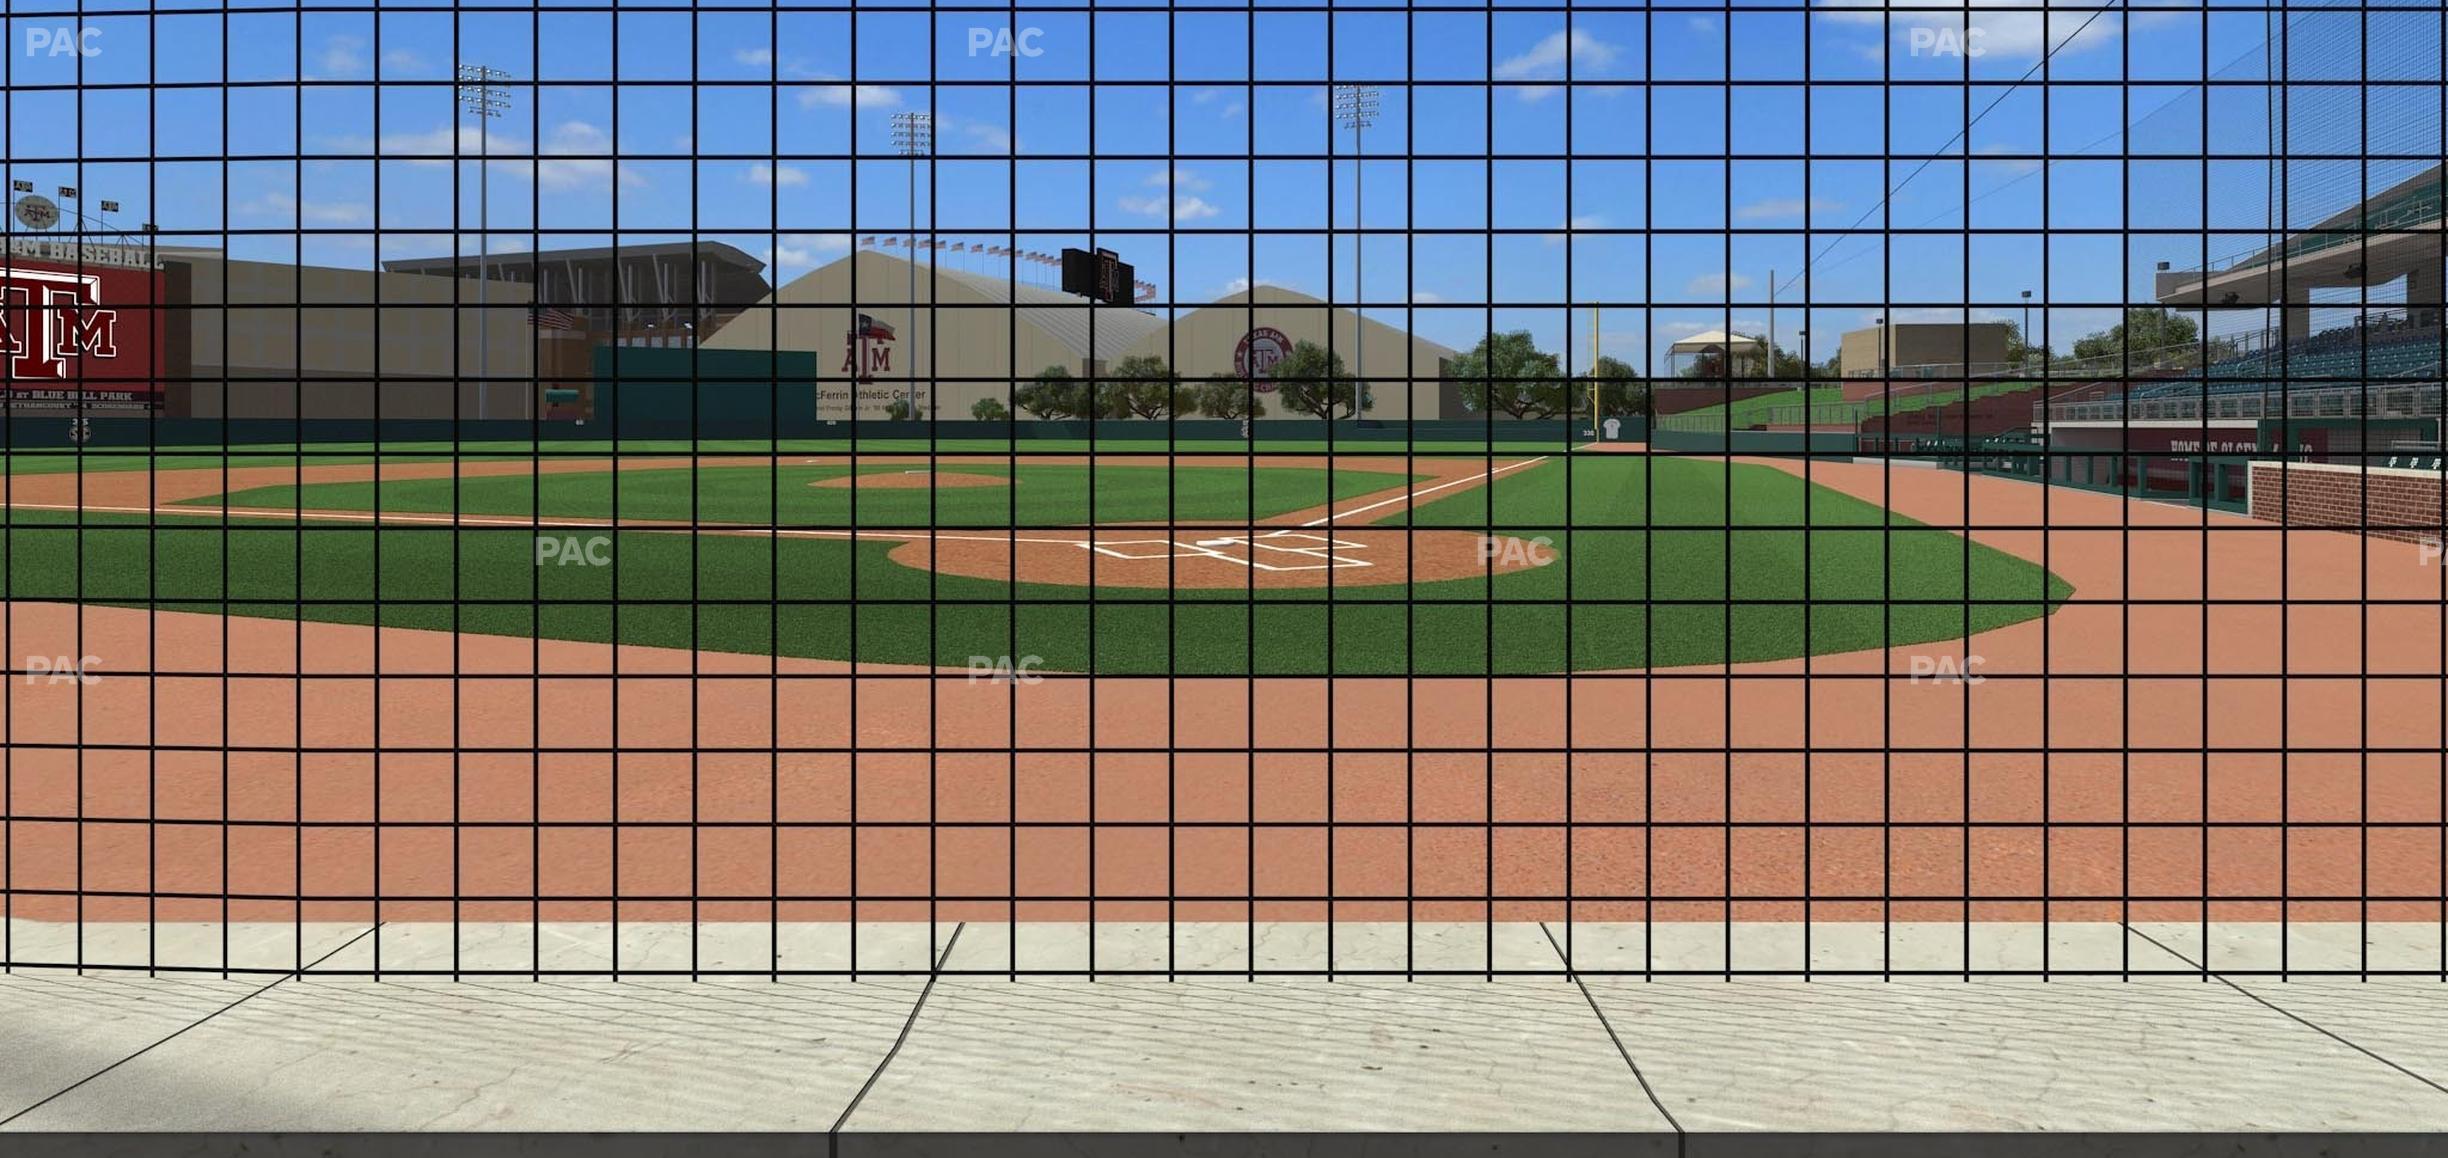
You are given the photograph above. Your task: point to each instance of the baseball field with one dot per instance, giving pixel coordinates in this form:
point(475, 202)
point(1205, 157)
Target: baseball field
point(1186, 686)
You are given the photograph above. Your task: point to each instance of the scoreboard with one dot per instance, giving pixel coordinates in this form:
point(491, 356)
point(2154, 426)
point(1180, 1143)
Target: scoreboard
point(1100, 276)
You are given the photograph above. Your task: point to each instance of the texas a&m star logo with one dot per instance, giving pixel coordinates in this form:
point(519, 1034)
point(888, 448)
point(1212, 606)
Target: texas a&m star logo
point(49, 320)
point(869, 349)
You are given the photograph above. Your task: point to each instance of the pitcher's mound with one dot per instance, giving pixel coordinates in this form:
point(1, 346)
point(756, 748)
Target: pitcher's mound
point(895, 480)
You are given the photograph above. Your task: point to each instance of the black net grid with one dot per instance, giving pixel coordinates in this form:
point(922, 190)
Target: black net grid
point(1284, 489)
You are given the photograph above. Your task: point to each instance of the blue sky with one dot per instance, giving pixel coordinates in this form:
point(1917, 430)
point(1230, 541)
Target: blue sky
point(1504, 218)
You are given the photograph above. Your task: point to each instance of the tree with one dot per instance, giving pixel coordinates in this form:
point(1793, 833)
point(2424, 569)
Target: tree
point(989, 410)
point(1229, 396)
point(1054, 394)
point(1142, 386)
point(1508, 374)
point(1312, 381)
point(2145, 331)
point(899, 410)
point(1787, 365)
point(1620, 390)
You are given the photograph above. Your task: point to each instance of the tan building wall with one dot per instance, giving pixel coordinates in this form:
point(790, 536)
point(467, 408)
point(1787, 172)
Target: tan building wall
point(317, 342)
point(972, 336)
point(1912, 346)
point(1404, 372)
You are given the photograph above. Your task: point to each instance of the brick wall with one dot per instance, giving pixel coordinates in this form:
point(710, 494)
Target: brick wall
point(2397, 504)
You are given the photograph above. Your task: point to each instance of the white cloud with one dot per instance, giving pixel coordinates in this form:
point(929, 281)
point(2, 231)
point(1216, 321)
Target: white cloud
point(576, 138)
point(2017, 166)
point(1779, 207)
point(1717, 284)
point(1426, 297)
point(754, 57)
point(786, 176)
point(282, 205)
point(341, 56)
point(1244, 285)
point(397, 61)
point(1181, 206)
point(972, 136)
point(1178, 199)
point(1579, 221)
point(1545, 60)
point(842, 96)
point(806, 250)
point(571, 155)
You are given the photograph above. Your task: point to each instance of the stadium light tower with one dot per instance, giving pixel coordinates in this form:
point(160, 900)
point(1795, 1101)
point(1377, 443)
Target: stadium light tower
point(481, 94)
point(914, 135)
point(2027, 325)
point(1356, 105)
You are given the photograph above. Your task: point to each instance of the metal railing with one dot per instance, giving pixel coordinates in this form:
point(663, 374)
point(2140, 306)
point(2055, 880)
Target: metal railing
point(2420, 399)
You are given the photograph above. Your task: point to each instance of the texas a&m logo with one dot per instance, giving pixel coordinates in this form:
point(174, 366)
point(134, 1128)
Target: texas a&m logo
point(49, 320)
point(869, 350)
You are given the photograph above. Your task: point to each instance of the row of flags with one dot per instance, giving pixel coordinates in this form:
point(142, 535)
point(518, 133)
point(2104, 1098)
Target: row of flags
point(1145, 290)
point(66, 193)
point(962, 247)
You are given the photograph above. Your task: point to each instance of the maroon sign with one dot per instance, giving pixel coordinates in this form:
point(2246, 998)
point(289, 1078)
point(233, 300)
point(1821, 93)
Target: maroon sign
point(80, 337)
point(1255, 357)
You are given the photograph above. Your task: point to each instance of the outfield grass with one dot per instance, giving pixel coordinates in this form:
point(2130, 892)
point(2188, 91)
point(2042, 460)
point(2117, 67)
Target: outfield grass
point(1044, 495)
point(1623, 529)
point(54, 460)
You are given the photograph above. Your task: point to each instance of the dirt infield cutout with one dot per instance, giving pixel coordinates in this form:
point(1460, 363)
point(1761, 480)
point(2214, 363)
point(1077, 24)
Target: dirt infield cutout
point(1273, 551)
point(1220, 558)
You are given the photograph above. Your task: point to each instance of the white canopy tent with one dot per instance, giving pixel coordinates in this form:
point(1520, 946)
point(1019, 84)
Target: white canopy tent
point(1718, 354)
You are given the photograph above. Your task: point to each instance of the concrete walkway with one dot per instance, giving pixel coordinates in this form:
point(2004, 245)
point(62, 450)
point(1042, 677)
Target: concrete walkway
point(2170, 1048)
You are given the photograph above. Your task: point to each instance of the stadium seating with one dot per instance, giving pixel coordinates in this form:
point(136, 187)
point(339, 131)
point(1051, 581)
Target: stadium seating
point(2343, 356)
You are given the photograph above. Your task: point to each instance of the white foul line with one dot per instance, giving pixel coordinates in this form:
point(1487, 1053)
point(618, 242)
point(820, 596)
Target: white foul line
point(1406, 497)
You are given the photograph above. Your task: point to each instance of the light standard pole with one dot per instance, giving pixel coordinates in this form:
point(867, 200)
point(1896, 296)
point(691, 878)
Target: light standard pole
point(1356, 105)
point(480, 93)
point(2027, 337)
point(914, 133)
point(1769, 370)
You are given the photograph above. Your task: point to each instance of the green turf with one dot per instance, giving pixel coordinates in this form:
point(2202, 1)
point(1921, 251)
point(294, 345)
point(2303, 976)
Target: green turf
point(1046, 495)
point(1638, 530)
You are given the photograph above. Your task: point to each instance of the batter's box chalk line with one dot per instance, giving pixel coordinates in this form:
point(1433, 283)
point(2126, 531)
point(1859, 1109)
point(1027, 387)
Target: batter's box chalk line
point(1319, 549)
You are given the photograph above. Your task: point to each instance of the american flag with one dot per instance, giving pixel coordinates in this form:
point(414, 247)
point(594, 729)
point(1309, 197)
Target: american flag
point(552, 318)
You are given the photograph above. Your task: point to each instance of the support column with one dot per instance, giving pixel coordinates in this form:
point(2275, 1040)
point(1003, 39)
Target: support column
point(2298, 312)
point(2423, 292)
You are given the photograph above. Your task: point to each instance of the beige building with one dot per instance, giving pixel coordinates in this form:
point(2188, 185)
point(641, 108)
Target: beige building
point(1925, 349)
point(1405, 373)
point(316, 342)
point(973, 336)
